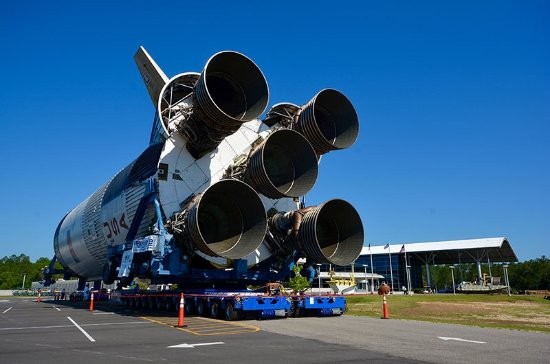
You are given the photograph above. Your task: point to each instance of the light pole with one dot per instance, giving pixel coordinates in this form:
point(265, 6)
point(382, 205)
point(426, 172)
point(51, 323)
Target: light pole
point(408, 272)
point(319, 275)
point(371, 274)
point(24, 276)
point(453, 277)
point(391, 269)
point(366, 282)
point(505, 267)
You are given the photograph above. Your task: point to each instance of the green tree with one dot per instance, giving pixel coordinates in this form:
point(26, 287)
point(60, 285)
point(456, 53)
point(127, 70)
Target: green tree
point(13, 268)
point(532, 274)
point(297, 283)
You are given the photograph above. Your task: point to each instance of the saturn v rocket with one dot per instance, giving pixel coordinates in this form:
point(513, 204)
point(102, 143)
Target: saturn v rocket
point(217, 189)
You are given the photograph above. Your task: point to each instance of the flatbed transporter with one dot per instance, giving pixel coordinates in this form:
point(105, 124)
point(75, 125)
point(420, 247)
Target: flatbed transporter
point(236, 305)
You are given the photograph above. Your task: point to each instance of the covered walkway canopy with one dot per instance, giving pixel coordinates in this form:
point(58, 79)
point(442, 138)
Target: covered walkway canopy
point(452, 251)
point(490, 250)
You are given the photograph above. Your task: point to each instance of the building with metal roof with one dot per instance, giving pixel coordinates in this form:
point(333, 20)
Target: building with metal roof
point(452, 251)
point(391, 260)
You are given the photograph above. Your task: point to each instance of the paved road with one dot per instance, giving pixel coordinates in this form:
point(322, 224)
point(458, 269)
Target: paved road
point(436, 343)
point(51, 332)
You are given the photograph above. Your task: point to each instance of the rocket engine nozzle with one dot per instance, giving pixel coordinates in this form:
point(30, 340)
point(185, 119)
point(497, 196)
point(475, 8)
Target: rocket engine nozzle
point(227, 220)
point(283, 165)
point(329, 121)
point(231, 90)
point(331, 233)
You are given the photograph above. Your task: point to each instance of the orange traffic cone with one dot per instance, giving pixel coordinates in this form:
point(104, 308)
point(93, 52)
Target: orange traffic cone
point(181, 318)
point(385, 308)
point(91, 301)
point(38, 300)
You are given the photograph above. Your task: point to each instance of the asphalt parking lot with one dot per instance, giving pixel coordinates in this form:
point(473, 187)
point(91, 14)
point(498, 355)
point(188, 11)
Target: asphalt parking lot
point(54, 331)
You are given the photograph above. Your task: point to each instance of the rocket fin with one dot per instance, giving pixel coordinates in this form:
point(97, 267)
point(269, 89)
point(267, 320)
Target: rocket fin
point(153, 77)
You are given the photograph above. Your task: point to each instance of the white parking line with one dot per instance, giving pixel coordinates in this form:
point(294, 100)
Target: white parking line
point(56, 308)
point(62, 326)
point(7, 310)
point(81, 329)
point(33, 327)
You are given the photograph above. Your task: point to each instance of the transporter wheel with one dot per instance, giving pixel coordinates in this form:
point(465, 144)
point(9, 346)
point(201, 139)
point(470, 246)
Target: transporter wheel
point(201, 307)
point(344, 310)
point(168, 306)
point(295, 311)
point(292, 310)
point(230, 313)
point(189, 306)
point(215, 310)
point(154, 303)
point(160, 304)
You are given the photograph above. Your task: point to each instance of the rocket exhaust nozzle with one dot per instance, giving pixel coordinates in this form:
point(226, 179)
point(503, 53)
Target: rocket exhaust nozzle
point(329, 121)
point(231, 90)
point(283, 165)
point(227, 220)
point(331, 233)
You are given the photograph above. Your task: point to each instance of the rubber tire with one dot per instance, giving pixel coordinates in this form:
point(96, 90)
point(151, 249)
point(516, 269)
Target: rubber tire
point(215, 310)
point(189, 306)
point(168, 306)
point(201, 307)
point(230, 313)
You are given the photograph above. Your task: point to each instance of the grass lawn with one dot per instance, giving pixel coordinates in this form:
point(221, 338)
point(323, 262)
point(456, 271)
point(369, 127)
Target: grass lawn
point(502, 311)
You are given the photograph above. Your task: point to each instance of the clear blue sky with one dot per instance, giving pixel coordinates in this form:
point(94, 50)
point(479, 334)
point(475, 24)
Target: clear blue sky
point(453, 101)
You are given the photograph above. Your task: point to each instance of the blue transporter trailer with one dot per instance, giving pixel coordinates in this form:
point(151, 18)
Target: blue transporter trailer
point(236, 305)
